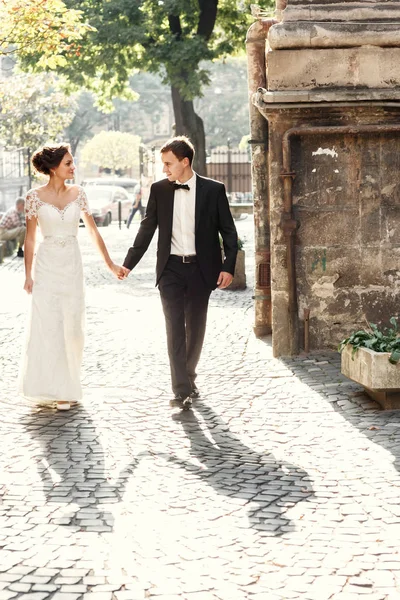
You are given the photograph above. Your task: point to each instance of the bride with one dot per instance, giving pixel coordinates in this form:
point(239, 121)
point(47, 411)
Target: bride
point(53, 354)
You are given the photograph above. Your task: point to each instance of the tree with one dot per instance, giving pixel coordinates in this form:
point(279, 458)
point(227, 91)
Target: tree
point(142, 116)
point(40, 27)
point(112, 150)
point(171, 37)
point(224, 107)
point(33, 111)
point(86, 117)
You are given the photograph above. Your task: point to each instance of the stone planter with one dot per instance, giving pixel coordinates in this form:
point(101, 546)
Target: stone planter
point(375, 373)
point(239, 279)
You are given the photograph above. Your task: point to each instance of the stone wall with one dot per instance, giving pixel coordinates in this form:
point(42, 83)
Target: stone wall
point(334, 193)
point(346, 204)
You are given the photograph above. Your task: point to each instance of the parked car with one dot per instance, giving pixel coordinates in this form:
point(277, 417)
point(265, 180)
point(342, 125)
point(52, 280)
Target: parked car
point(127, 183)
point(103, 202)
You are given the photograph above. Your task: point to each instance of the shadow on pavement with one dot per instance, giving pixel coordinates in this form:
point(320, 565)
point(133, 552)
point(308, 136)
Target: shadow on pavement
point(71, 464)
point(347, 398)
point(269, 486)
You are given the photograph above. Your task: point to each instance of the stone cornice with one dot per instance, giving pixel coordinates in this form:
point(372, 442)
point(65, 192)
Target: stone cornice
point(263, 98)
point(343, 11)
point(336, 2)
point(311, 34)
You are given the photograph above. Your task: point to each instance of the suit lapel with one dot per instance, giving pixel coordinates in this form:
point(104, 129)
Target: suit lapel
point(200, 198)
point(168, 206)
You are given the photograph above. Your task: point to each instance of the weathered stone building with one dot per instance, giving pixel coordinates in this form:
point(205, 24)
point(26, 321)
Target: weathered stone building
point(324, 85)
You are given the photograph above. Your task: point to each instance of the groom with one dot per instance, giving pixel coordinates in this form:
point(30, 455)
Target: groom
point(190, 212)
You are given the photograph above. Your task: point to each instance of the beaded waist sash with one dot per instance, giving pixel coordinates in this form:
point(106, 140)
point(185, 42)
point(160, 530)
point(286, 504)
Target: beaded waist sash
point(59, 240)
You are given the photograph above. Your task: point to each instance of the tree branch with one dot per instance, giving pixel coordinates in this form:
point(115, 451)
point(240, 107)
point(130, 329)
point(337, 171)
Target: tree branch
point(175, 25)
point(208, 15)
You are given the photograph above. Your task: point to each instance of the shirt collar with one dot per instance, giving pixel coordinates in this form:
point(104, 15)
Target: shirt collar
point(190, 182)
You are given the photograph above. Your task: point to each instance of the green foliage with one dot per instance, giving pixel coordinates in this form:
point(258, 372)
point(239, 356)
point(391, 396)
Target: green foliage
point(387, 340)
point(224, 106)
point(225, 96)
point(171, 37)
point(42, 32)
point(33, 111)
point(176, 39)
point(112, 150)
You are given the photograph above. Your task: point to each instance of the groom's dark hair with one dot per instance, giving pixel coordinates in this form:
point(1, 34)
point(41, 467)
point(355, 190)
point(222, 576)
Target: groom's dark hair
point(181, 146)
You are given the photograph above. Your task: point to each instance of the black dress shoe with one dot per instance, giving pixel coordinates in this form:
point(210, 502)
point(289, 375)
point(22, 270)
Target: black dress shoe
point(182, 401)
point(20, 253)
point(194, 393)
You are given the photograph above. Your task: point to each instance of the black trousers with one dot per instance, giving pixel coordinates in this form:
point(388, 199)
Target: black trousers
point(184, 296)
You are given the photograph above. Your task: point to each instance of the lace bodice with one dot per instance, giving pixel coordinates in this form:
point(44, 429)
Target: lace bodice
point(52, 220)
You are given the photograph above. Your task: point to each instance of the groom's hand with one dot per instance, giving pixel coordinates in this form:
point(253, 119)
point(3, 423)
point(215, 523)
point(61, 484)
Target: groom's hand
point(224, 280)
point(125, 272)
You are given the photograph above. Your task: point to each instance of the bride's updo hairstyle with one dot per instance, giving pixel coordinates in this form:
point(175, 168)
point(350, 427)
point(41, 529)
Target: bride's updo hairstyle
point(49, 157)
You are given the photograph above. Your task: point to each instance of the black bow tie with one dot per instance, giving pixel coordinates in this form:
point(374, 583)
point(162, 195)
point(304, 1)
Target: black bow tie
point(181, 186)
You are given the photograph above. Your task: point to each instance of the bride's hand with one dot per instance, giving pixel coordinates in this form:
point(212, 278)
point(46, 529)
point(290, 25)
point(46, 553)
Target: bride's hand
point(28, 285)
point(119, 272)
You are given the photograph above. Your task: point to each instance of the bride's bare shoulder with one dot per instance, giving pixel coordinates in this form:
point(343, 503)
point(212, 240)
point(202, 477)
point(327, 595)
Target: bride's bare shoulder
point(74, 190)
point(35, 190)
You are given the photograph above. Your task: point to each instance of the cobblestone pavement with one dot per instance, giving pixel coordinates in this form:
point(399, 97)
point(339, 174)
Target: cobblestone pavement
point(282, 483)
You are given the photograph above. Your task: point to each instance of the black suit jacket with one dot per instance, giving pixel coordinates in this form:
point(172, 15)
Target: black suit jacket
point(212, 217)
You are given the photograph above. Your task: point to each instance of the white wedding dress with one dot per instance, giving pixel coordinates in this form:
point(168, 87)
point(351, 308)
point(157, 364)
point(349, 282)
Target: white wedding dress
point(51, 361)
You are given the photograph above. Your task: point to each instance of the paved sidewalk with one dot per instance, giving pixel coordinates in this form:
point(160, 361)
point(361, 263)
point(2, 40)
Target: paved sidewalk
point(282, 483)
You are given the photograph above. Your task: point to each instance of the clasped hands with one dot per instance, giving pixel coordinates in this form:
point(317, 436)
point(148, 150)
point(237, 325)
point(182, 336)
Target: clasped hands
point(120, 272)
point(224, 279)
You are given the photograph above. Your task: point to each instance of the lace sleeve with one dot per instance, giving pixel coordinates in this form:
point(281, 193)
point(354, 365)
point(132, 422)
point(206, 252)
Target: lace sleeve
point(31, 205)
point(83, 202)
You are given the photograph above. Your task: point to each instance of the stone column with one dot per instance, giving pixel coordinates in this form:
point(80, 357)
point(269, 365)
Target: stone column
point(256, 49)
point(332, 103)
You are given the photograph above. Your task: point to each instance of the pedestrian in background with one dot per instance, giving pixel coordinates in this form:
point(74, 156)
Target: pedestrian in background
point(137, 204)
point(12, 225)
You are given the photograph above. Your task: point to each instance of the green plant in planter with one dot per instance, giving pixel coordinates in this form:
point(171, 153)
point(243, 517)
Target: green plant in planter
point(387, 340)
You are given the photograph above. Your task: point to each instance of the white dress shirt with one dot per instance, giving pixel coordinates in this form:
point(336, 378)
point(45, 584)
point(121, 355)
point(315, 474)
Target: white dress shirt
point(182, 240)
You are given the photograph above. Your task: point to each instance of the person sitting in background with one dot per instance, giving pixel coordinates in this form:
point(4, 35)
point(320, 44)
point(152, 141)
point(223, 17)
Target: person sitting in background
point(12, 225)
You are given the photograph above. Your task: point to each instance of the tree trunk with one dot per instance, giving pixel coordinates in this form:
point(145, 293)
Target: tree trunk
point(74, 143)
point(188, 123)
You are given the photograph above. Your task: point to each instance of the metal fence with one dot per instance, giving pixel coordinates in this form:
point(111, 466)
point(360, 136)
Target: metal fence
point(232, 166)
